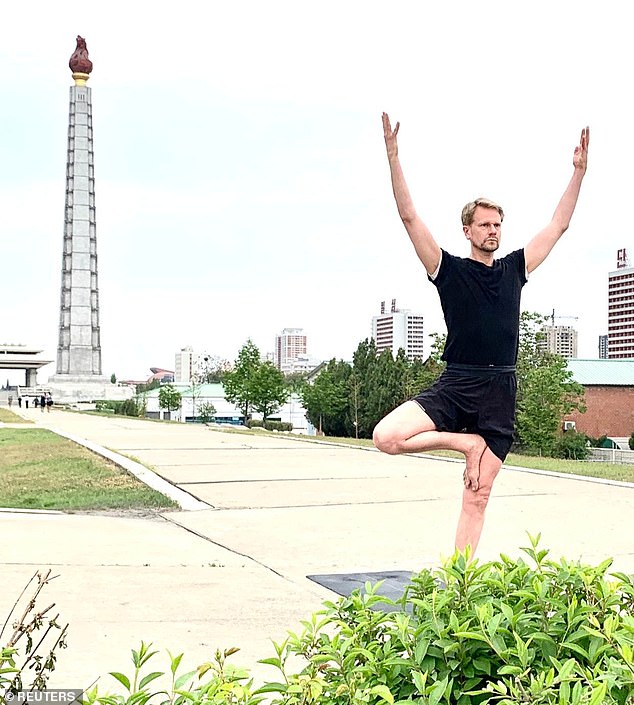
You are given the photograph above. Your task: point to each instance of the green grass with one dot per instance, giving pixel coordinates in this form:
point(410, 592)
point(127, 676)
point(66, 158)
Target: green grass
point(41, 470)
point(7, 416)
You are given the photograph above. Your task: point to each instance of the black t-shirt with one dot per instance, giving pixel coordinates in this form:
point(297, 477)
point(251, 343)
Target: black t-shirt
point(481, 305)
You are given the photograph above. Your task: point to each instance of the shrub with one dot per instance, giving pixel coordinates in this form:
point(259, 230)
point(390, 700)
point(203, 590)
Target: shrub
point(549, 633)
point(631, 442)
point(28, 656)
point(270, 425)
point(572, 445)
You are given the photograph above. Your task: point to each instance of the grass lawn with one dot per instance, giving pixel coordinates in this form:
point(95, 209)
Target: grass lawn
point(7, 416)
point(41, 470)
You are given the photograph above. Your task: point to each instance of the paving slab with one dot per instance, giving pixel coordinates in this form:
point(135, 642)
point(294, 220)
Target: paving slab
point(283, 509)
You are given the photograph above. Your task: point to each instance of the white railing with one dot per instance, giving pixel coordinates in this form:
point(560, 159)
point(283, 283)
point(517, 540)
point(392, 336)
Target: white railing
point(611, 455)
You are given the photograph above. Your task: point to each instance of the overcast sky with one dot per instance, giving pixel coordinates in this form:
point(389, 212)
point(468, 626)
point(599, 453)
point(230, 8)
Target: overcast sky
point(241, 179)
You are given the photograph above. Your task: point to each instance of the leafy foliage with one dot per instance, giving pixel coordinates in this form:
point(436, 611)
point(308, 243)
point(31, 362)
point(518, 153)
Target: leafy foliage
point(509, 631)
point(326, 400)
point(572, 445)
point(169, 397)
point(549, 394)
point(31, 649)
point(238, 383)
point(269, 390)
point(206, 411)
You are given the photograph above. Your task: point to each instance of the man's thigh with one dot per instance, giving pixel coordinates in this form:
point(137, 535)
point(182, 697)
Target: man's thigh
point(405, 421)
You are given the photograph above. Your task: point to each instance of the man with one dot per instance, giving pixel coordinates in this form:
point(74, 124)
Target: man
point(471, 408)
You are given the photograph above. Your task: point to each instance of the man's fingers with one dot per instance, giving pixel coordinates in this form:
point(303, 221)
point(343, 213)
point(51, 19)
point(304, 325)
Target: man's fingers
point(398, 124)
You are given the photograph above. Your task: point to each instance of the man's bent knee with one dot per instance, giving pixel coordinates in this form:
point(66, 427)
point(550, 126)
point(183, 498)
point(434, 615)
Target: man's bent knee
point(386, 440)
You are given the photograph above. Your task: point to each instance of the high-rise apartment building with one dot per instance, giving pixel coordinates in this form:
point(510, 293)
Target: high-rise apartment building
point(560, 340)
point(188, 364)
point(603, 347)
point(398, 329)
point(290, 350)
point(621, 309)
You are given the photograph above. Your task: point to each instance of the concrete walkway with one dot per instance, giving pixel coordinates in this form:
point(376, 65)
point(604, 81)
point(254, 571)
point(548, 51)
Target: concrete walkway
point(263, 514)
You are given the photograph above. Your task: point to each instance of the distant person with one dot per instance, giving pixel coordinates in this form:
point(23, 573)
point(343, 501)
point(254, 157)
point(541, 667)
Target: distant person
point(49, 402)
point(10, 400)
point(26, 402)
point(471, 407)
point(42, 402)
point(19, 402)
point(36, 402)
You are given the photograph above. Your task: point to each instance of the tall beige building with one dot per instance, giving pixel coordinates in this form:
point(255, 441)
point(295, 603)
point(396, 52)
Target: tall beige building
point(399, 329)
point(621, 309)
point(560, 340)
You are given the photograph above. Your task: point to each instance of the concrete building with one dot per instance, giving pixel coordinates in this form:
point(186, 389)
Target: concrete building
point(621, 309)
point(603, 347)
point(22, 357)
point(399, 329)
point(290, 353)
point(560, 340)
point(188, 364)
point(79, 375)
point(609, 397)
point(193, 397)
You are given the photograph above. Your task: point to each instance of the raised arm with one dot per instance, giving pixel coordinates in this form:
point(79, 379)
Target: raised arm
point(540, 246)
point(426, 247)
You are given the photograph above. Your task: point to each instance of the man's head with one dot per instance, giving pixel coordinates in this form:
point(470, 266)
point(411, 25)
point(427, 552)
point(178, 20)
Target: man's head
point(468, 212)
point(482, 225)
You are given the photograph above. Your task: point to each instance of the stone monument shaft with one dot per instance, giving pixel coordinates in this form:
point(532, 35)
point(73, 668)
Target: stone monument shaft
point(79, 347)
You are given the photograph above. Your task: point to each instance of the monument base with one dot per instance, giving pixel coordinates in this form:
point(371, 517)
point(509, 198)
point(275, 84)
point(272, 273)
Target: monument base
point(73, 389)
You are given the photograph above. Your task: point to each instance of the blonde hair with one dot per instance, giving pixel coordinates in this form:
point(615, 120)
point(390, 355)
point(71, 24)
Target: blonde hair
point(469, 210)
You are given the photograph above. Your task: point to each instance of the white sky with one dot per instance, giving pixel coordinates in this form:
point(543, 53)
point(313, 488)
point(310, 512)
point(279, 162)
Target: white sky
point(242, 184)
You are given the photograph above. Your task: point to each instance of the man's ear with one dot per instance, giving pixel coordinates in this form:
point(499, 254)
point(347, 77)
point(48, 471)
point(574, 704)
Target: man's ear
point(466, 229)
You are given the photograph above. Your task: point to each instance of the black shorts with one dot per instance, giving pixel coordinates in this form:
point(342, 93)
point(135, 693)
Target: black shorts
point(475, 400)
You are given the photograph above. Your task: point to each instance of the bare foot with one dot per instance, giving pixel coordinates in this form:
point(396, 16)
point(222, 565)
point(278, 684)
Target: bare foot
point(471, 475)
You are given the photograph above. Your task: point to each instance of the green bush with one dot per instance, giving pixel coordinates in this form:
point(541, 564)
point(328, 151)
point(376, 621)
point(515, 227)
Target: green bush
point(572, 445)
point(548, 633)
point(270, 425)
point(126, 407)
point(631, 442)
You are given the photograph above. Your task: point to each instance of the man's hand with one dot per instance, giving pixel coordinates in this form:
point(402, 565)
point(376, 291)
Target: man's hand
point(390, 137)
point(580, 158)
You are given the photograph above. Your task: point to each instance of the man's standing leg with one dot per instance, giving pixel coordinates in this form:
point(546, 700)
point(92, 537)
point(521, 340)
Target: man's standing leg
point(474, 503)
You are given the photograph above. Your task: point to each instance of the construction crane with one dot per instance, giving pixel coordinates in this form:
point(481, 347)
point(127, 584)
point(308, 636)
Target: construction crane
point(552, 318)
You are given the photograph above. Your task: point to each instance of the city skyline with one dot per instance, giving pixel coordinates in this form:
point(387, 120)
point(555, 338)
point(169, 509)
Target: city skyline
point(241, 179)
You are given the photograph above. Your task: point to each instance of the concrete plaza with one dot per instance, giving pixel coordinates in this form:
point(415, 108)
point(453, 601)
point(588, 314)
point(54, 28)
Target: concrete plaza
point(263, 513)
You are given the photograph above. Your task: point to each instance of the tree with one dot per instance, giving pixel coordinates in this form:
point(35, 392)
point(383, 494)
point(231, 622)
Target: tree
point(206, 411)
point(113, 378)
point(238, 383)
point(169, 398)
point(326, 400)
point(549, 394)
point(268, 389)
point(212, 370)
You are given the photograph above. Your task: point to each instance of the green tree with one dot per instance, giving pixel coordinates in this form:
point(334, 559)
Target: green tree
point(326, 400)
point(268, 389)
point(549, 394)
point(147, 386)
point(113, 378)
point(531, 352)
point(212, 370)
point(238, 383)
point(206, 411)
point(169, 398)
point(362, 403)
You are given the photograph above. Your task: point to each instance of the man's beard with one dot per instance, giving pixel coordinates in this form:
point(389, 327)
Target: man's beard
point(488, 246)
